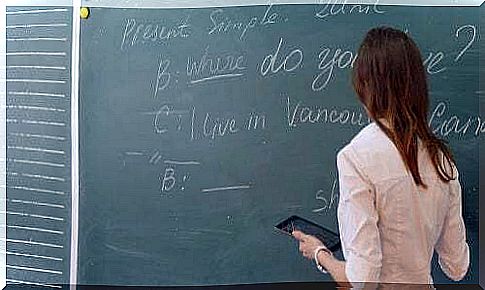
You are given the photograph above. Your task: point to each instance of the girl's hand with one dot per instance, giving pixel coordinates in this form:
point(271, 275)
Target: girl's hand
point(308, 244)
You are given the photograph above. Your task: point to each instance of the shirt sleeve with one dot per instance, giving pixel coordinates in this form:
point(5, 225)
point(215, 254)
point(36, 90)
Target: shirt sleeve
point(453, 251)
point(357, 219)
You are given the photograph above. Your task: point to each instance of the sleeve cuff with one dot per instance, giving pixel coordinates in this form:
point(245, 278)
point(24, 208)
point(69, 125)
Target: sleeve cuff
point(358, 270)
point(455, 273)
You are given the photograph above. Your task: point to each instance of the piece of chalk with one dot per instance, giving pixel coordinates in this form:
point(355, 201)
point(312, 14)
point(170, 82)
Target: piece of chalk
point(84, 12)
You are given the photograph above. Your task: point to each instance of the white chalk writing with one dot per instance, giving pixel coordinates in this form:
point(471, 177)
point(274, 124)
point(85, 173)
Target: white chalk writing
point(222, 23)
point(341, 58)
point(149, 32)
point(336, 7)
point(163, 76)
point(328, 200)
point(473, 30)
point(445, 123)
point(208, 67)
point(301, 114)
point(288, 63)
point(218, 126)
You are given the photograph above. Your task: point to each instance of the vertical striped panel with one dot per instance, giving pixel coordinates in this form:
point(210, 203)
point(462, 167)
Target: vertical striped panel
point(38, 145)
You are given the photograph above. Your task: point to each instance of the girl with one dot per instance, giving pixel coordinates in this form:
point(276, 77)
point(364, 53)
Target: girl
point(400, 198)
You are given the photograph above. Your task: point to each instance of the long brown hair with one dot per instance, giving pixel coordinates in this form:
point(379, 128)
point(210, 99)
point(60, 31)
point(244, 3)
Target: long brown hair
point(390, 81)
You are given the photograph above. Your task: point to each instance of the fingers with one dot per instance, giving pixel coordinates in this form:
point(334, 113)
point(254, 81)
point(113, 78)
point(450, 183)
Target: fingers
point(304, 247)
point(299, 236)
point(307, 243)
point(306, 253)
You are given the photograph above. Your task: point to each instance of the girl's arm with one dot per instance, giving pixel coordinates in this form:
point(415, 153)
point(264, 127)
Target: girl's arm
point(335, 267)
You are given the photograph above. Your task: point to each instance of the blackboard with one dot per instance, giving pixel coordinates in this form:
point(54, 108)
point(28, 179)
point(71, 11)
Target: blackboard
point(200, 129)
point(38, 140)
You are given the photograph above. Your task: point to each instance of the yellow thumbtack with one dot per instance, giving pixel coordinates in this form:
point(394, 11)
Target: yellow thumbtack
point(84, 12)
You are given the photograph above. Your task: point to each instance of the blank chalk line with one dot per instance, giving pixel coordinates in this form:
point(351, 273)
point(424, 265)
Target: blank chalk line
point(32, 243)
point(34, 269)
point(35, 81)
point(37, 39)
point(35, 229)
point(35, 176)
point(35, 108)
point(13, 281)
point(35, 149)
point(36, 189)
point(224, 76)
point(32, 202)
point(9, 173)
point(177, 162)
point(36, 25)
point(28, 135)
point(134, 153)
point(35, 53)
point(36, 94)
point(36, 67)
point(33, 256)
point(33, 215)
point(224, 188)
point(44, 123)
point(34, 162)
point(35, 11)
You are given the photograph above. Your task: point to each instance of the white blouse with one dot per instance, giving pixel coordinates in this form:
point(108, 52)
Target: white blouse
point(388, 226)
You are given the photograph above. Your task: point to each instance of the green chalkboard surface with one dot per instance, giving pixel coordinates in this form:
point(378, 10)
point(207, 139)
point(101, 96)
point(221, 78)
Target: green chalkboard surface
point(200, 129)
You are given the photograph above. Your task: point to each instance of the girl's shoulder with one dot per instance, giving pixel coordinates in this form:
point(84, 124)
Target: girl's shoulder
point(374, 153)
point(370, 138)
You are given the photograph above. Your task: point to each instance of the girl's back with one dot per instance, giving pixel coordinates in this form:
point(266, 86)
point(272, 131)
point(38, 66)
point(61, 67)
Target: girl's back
point(397, 224)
